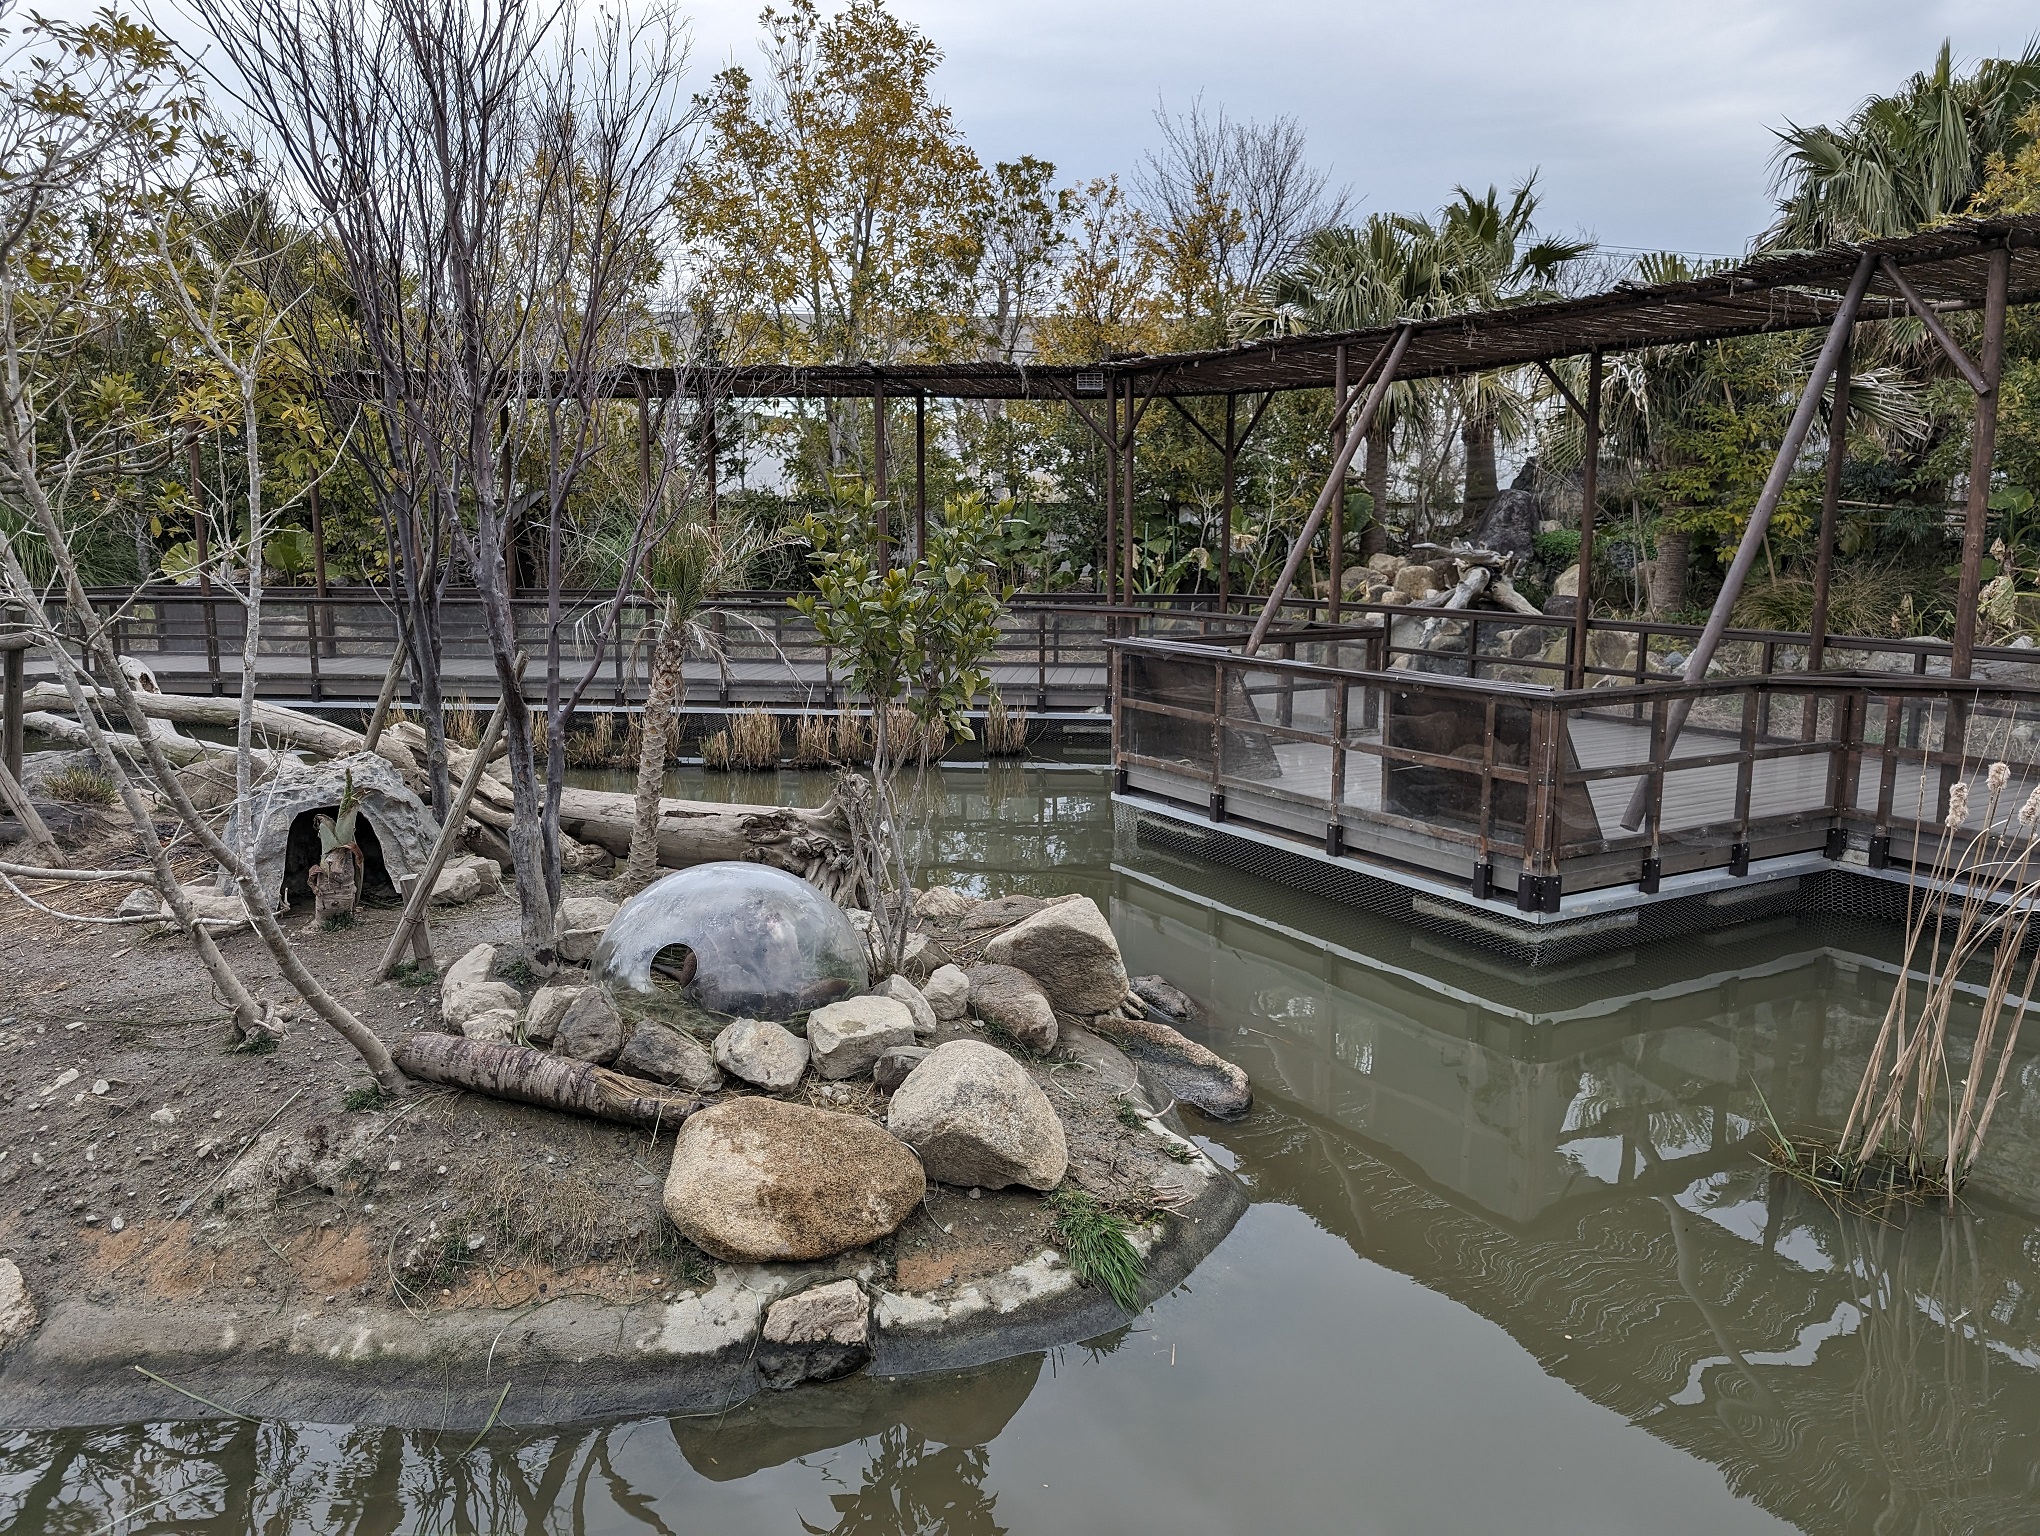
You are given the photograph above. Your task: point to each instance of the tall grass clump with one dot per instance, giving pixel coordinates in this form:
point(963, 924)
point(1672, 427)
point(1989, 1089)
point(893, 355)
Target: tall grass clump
point(79, 786)
point(853, 739)
point(595, 747)
point(754, 739)
point(1095, 1243)
point(1917, 1124)
point(1005, 730)
point(715, 752)
point(463, 725)
point(814, 741)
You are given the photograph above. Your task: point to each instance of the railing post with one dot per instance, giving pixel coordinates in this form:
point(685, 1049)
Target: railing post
point(1745, 768)
point(1217, 803)
point(1335, 830)
point(312, 646)
point(10, 707)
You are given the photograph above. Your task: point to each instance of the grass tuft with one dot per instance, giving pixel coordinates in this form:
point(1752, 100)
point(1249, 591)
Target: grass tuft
point(362, 1099)
point(1094, 1241)
point(80, 786)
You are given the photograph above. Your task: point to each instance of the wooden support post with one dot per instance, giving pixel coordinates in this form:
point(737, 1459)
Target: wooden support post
point(1232, 414)
point(712, 454)
point(1108, 552)
point(1830, 505)
point(920, 476)
point(1335, 552)
point(1838, 336)
point(421, 930)
point(323, 627)
point(1982, 450)
point(1590, 465)
point(1334, 482)
point(644, 445)
point(1127, 577)
point(881, 532)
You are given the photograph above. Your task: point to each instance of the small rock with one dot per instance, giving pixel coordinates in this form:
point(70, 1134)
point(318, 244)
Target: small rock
point(948, 993)
point(64, 1080)
point(921, 956)
point(763, 1054)
point(165, 1116)
point(591, 1029)
point(977, 1117)
point(1165, 998)
point(1198, 1077)
point(847, 1037)
point(755, 1180)
point(667, 1056)
point(470, 968)
point(943, 906)
point(456, 886)
point(891, 1069)
point(1000, 912)
point(1070, 950)
point(579, 927)
point(492, 1023)
point(470, 1003)
point(100, 1088)
point(815, 1335)
point(1008, 997)
point(548, 1006)
point(905, 993)
point(17, 1311)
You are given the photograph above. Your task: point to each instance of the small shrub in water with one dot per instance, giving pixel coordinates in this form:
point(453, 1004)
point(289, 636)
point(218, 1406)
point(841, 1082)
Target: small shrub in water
point(80, 786)
point(1094, 1241)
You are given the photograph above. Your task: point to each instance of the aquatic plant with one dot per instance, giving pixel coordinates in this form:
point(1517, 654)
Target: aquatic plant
point(754, 739)
point(1914, 1126)
point(1094, 1240)
point(1005, 729)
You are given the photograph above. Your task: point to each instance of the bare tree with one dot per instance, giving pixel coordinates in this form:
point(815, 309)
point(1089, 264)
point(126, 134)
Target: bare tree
point(1245, 192)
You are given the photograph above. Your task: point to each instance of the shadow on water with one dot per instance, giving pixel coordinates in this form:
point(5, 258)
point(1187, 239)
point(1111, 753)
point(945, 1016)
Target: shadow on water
point(1564, 1154)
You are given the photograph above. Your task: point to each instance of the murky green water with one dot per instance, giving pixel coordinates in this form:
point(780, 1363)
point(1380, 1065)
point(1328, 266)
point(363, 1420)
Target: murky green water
point(1510, 1267)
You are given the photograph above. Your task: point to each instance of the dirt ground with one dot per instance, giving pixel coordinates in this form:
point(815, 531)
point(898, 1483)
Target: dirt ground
point(139, 1160)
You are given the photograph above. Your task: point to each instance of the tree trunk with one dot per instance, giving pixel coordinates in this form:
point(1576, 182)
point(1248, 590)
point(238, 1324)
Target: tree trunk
point(526, 1076)
point(333, 888)
point(662, 696)
point(1375, 540)
point(1668, 574)
point(1478, 439)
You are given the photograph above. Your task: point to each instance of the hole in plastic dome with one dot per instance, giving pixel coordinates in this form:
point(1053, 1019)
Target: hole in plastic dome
point(732, 939)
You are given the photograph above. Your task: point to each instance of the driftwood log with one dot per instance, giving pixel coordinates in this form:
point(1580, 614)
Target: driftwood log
point(282, 727)
point(526, 1076)
point(814, 844)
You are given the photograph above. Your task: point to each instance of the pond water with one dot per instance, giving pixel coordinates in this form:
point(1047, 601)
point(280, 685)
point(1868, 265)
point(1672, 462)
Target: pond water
point(1510, 1266)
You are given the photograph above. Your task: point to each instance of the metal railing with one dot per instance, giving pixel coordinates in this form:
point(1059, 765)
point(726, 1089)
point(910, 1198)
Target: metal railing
point(1506, 786)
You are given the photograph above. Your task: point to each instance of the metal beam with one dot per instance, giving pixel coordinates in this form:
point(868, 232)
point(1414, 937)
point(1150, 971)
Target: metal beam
point(1334, 483)
point(1752, 545)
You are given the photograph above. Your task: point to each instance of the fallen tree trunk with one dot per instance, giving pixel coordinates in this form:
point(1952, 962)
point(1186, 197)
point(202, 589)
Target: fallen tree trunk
point(289, 727)
point(181, 750)
point(526, 1076)
point(814, 844)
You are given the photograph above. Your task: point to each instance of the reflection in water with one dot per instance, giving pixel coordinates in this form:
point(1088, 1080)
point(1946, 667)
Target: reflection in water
point(1565, 1154)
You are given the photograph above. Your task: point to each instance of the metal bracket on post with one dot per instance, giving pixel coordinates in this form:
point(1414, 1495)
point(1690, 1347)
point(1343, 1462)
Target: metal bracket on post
point(1218, 805)
point(1484, 881)
point(1120, 781)
point(1880, 850)
point(1537, 893)
point(1739, 860)
point(1652, 876)
point(1335, 839)
point(1837, 843)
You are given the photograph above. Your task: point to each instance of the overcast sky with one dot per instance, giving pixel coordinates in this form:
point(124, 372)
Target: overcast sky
point(1650, 122)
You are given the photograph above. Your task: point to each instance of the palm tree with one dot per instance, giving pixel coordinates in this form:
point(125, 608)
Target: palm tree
point(1901, 161)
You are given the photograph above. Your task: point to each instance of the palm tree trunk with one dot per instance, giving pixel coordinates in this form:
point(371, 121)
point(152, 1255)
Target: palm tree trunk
point(1482, 486)
point(1374, 540)
point(1668, 575)
point(663, 693)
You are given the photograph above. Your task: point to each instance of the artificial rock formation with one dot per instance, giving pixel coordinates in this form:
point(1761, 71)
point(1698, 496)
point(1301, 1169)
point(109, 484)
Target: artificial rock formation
point(401, 823)
point(755, 1180)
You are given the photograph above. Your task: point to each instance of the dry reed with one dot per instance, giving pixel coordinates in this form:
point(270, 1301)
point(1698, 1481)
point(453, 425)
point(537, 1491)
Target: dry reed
point(814, 743)
point(754, 739)
point(463, 725)
point(853, 739)
point(1005, 730)
point(715, 752)
point(1914, 1127)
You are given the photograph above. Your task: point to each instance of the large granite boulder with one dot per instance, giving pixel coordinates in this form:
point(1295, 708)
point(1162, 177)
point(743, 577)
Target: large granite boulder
point(758, 1180)
point(1000, 912)
point(847, 1037)
point(665, 1055)
point(549, 1004)
point(1009, 999)
point(1191, 1073)
point(942, 906)
point(765, 1055)
point(1068, 947)
point(399, 824)
point(978, 1118)
point(815, 1335)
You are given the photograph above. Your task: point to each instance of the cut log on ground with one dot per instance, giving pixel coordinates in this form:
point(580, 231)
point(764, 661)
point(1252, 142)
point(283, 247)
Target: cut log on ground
point(526, 1076)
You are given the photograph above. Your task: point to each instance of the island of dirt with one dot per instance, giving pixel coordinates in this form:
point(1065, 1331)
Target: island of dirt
point(208, 1230)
